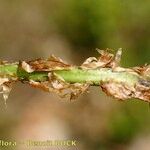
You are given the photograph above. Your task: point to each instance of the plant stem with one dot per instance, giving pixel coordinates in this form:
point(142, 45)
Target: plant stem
point(56, 76)
point(76, 75)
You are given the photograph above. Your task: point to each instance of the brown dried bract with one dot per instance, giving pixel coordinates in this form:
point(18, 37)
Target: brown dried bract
point(117, 90)
point(143, 70)
point(106, 59)
point(60, 87)
point(52, 63)
point(122, 91)
point(5, 87)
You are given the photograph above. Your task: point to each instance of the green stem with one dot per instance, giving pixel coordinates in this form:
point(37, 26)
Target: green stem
point(119, 83)
point(76, 75)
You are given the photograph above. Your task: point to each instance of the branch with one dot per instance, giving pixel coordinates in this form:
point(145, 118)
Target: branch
point(64, 79)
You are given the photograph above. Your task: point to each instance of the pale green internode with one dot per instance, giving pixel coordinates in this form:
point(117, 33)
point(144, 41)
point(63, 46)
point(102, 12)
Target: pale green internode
point(75, 75)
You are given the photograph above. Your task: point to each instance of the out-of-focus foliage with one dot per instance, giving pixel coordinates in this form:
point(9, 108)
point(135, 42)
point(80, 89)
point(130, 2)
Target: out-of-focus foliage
point(106, 23)
point(30, 28)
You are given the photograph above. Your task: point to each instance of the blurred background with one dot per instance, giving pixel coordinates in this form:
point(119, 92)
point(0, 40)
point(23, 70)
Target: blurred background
point(71, 30)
